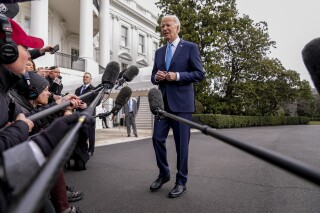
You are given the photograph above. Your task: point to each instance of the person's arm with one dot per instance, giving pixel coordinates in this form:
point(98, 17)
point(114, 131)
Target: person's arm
point(13, 135)
point(21, 164)
point(138, 103)
point(154, 70)
point(36, 53)
point(197, 73)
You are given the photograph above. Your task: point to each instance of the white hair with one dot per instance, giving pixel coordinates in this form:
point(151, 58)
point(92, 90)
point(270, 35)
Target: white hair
point(175, 18)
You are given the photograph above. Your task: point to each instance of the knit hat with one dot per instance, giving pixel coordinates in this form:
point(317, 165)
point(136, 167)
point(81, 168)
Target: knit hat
point(36, 81)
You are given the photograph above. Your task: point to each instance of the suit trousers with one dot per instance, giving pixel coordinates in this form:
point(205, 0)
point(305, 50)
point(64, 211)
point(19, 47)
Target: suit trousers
point(131, 121)
point(181, 134)
point(92, 137)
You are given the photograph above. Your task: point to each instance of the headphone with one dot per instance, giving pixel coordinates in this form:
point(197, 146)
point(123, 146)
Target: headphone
point(8, 48)
point(32, 92)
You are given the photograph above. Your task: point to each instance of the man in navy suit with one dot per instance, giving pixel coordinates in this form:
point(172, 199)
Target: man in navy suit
point(176, 67)
point(85, 88)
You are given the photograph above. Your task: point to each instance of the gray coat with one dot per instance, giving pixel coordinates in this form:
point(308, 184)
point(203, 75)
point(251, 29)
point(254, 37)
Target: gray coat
point(135, 107)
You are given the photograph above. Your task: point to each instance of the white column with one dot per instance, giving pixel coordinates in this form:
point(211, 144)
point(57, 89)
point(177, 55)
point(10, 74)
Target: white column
point(39, 27)
point(135, 42)
point(86, 30)
point(149, 49)
point(39, 19)
point(116, 38)
point(104, 34)
point(86, 37)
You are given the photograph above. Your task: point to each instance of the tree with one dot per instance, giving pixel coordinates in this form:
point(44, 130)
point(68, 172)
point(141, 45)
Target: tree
point(306, 101)
point(240, 78)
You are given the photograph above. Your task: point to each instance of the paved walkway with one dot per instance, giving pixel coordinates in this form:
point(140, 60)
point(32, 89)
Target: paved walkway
point(119, 135)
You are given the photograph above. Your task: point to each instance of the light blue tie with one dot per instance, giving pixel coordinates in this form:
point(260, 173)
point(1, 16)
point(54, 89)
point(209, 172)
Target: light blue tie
point(168, 55)
point(130, 105)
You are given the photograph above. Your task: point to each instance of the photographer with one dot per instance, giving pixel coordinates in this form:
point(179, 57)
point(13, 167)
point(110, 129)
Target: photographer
point(54, 79)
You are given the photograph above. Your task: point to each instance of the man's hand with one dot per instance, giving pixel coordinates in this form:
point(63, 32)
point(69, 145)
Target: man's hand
point(161, 75)
point(22, 117)
point(74, 101)
point(45, 49)
point(171, 76)
point(82, 105)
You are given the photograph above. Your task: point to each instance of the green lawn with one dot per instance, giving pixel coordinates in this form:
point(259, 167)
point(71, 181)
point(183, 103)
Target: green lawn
point(314, 123)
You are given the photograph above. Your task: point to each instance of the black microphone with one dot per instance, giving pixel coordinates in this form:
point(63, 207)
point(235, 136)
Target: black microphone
point(156, 102)
point(110, 75)
point(128, 75)
point(121, 74)
point(121, 100)
point(311, 59)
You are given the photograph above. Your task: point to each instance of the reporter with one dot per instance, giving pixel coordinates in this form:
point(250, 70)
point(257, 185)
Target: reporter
point(13, 58)
point(21, 160)
point(33, 97)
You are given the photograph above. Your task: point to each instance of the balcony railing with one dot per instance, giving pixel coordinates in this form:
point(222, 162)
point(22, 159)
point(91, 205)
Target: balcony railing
point(69, 62)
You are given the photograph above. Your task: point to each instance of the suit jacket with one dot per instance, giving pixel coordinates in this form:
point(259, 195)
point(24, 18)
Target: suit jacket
point(187, 62)
point(135, 107)
point(89, 99)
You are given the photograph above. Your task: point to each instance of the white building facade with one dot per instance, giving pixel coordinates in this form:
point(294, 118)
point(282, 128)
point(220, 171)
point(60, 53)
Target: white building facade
point(91, 33)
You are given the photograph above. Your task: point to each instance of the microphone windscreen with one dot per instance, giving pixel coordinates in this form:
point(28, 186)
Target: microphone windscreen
point(155, 100)
point(311, 59)
point(123, 96)
point(111, 74)
point(121, 73)
point(130, 73)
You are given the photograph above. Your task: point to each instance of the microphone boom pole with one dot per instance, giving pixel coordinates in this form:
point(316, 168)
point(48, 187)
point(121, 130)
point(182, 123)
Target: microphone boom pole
point(59, 107)
point(31, 198)
point(291, 165)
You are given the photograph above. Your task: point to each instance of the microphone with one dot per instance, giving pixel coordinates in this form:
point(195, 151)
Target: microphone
point(156, 102)
point(58, 80)
point(311, 59)
point(128, 75)
point(121, 100)
point(121, 74)
point(110, 75)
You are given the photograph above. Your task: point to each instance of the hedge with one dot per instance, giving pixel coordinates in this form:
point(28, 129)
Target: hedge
point(234, 121)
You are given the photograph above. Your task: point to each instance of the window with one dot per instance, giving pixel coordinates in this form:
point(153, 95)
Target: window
point(141, 44)
point(124, 36)
point(154, 48)
point(74, 54)
point(27, 24)
point(124, 66)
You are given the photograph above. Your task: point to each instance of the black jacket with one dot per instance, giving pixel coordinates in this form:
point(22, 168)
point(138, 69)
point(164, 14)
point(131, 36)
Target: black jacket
point(19, 130)
point(53, 87)
point(28, 109)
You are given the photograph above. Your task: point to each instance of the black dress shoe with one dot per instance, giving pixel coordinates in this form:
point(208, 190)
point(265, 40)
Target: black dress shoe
point(157, 184)
point(177, 190)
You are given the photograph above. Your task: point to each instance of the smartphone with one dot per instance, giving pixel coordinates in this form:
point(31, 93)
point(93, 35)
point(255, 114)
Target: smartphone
point(54, 49)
